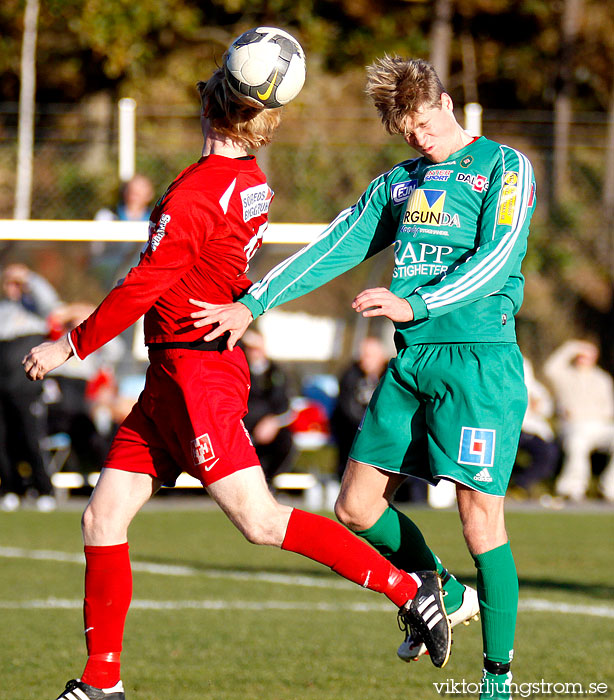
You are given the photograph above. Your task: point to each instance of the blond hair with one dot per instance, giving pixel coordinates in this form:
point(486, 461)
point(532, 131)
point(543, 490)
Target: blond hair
point(401, 87)
point(250, 127)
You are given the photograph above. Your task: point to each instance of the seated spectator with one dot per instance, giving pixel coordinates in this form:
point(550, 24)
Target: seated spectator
point(356, 386)
point(537, 438)
point(584, 395)
point(27, 301)
point(267, 407)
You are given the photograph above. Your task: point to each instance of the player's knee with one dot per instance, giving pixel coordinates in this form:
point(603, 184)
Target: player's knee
point(266, 527)
point(257, 532)
point(100, 530)
point(256, 535)
point(351, 516)
point(480, 538)
point(476, 540)
point(87, 523)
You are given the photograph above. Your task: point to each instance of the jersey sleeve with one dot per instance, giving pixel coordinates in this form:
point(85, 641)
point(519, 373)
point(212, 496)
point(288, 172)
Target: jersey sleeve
point(173, 248)
point(355, 235)
point(501, 240)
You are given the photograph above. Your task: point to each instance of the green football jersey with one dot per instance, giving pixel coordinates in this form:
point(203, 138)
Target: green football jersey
point(459, 231)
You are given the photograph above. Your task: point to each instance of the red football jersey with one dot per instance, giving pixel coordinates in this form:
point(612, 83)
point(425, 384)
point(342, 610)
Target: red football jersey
point(202, 234)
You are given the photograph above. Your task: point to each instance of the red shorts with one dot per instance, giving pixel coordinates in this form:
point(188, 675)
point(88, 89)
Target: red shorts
point(189, 418)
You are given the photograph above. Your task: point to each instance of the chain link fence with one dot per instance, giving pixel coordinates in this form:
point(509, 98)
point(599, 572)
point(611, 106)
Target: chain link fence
point(317, 164)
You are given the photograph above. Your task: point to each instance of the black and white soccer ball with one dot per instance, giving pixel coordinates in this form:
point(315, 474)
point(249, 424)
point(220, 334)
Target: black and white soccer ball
point(265, 67)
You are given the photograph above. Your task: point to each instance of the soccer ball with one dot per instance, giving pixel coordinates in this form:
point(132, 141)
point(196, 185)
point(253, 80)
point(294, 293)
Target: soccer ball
point(265, 67)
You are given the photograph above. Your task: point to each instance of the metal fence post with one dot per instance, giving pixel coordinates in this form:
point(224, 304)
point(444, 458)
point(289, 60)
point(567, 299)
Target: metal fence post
point(127, 138)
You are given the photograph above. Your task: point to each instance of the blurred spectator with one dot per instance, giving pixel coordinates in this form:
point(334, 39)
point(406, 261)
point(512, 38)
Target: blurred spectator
point(585, 402)
point(356, 386)
point(537, 438)
point(135, 202)
point(27, 301)
point(267, 407)
point(322, 388)
point(111, 260)
point(80, 394)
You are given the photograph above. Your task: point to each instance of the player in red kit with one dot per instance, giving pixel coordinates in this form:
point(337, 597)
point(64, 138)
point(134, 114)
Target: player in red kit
point(203, 232)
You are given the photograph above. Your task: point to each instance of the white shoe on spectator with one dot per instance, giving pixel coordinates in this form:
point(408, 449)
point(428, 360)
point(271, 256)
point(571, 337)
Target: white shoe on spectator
point(46, 504)
point(9, 503)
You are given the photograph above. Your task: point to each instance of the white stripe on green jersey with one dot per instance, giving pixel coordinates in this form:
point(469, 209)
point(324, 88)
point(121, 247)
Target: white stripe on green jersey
point(333, 233)
point(459, 231)
point(258, 288)
point(492, 263)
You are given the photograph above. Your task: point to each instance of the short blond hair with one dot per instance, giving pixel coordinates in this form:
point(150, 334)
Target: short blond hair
point(400, 87)
point(250, 127)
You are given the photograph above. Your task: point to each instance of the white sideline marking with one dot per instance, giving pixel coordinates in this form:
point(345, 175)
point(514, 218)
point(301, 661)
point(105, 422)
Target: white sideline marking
point(538, 605)
point(169, 570)
point(64, 604)
point(529, 605)
point(526, 605)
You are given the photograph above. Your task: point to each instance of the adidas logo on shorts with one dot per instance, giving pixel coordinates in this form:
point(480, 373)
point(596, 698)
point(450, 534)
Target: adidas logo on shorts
point(483, 475)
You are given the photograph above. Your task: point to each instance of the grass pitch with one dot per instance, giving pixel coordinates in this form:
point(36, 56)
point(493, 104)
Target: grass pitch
point(216, 618)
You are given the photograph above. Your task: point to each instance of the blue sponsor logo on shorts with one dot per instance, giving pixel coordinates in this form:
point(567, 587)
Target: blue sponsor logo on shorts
point(477, 447)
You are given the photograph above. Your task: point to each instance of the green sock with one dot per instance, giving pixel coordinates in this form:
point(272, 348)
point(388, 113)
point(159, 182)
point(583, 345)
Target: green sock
point(495, 687)
point(398, 539)
point(498, 596)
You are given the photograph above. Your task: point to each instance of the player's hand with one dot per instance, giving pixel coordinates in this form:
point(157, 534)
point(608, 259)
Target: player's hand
point(382, 302)
point(231, 318)
point(45, 357)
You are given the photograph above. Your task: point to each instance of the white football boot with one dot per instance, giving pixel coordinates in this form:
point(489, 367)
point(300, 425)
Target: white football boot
point(411, 649)
point(78, 690)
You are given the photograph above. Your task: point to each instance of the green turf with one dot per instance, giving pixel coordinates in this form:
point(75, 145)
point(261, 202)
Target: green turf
point(228, 654)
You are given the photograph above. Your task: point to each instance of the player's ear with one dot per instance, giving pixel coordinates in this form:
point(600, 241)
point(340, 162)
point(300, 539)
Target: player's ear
point(446, 102)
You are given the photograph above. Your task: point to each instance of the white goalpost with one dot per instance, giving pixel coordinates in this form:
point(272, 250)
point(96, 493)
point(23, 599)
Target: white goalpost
point(128, 231)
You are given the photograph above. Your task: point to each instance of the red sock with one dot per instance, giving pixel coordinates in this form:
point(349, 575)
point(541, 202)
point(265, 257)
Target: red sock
point(332, 544)
point(108, 592)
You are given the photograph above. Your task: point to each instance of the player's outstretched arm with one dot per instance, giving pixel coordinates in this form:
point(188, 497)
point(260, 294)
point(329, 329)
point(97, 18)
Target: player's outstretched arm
point(45, 357)
point(231, 318)
point(382, 302)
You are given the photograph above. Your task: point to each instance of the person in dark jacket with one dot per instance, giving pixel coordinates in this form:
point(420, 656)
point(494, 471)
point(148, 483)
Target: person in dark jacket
point(267, 407)
point(27, 299)
point(356, 386)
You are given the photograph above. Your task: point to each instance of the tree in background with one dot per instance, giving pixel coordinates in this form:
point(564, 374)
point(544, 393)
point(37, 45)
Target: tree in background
point(570, 27)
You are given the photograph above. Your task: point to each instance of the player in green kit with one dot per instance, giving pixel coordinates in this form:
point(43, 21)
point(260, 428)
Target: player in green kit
point(450, 405)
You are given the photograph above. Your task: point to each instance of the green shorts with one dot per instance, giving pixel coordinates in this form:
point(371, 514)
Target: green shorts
point(450, 411)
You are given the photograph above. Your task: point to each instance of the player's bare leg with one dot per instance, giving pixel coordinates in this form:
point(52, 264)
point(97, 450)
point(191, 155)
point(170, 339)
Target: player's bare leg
point(364, 506)
point(117, 498)
point(244, 496)
point(247, 501)
point(483, 521)
point(365, 494)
